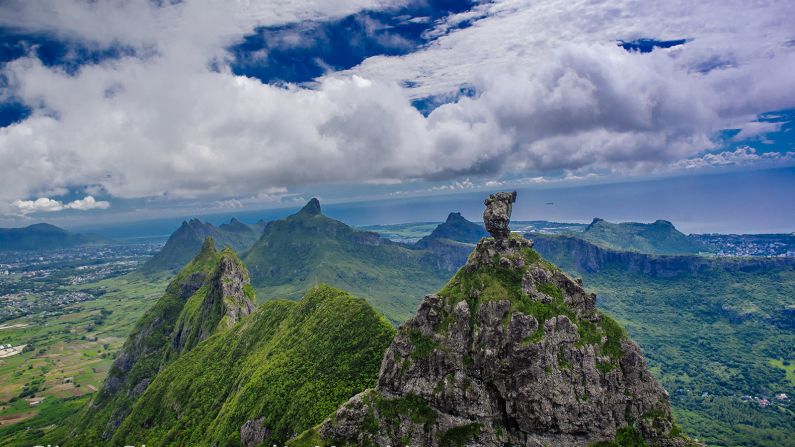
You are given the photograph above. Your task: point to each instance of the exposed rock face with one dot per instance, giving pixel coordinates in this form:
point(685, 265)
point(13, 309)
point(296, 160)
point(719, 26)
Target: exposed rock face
point(511, 352)
point(253, 432)
point(227, 299)
point(498, 214)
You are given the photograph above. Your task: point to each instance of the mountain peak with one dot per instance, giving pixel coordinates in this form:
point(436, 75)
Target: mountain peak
point(312, 207)
point(511, 351)
point(455, 217)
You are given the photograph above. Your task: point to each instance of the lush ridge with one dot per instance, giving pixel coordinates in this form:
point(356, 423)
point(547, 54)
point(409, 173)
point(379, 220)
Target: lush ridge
point(43, 237)
point(209, 294)
point(714, 330)
point(186, 241)
point(659, 237)
point(308, 249)
point(278, 373)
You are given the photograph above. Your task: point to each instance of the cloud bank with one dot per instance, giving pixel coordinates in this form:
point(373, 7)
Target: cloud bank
point(555, 95)
point(44, 204)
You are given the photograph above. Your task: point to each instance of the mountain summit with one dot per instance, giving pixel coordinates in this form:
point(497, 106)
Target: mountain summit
point(511, 352)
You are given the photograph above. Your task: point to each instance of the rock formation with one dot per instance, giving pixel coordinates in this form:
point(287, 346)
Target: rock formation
point(511, 352)
point(497, 214)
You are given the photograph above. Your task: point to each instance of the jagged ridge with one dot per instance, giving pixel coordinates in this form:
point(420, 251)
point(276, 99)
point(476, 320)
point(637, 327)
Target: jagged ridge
point(207, 295)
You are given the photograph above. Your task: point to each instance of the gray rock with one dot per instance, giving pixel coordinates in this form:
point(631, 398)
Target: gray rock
point(497, 214)
point(253, 432)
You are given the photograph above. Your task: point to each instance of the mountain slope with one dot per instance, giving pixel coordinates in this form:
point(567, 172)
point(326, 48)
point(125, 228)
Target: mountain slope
point(714, 329)
point(510, 352)
point(43, 236)
point(210, 294)
point(186, 241)
point(308, 249)
point(659, 237)
point(278, 373)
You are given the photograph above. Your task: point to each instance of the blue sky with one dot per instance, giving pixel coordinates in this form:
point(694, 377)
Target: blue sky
point(139, 110)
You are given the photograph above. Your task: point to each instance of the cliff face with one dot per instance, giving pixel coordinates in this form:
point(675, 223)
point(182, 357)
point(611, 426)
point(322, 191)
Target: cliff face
point(511, 352)
point(575, 254)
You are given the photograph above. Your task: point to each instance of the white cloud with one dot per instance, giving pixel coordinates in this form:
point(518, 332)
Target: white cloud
point(555, 95)
point(44, 204)
point(741, 156)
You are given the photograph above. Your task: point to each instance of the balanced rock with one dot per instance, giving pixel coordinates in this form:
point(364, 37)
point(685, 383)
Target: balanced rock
point(497, 214)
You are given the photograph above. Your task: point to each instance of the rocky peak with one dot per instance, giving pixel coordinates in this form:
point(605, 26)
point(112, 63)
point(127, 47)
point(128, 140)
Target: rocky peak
point(511, 352)
point(225, 299)
point(311, 208)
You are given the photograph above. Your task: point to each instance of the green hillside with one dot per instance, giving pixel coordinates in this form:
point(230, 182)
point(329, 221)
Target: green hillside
point(193, 307)
point(713, 330)
point(278, 373)
point(659, 237)
point(308, 248)
point(44, 236)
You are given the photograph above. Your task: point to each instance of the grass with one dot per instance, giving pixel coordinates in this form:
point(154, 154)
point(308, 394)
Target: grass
point(65, 346)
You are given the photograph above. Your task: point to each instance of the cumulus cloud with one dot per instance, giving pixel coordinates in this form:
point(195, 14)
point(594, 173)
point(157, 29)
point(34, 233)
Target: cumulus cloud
point(739, 157)
point(555, 95)
point(44, 204)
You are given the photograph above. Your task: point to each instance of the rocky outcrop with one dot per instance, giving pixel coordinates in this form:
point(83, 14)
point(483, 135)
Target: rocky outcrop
point(497, 214)
point(224, 301)
point(511, 352)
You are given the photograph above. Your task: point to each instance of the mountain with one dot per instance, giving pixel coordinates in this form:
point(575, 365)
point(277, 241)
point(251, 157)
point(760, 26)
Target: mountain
point(510, 352)
point(209, 295)
point(660, 237)
point(455, 228)
point(43, 236)
point(451, 242)
point(714, 328)
point(308, 248)
point(278, 373)
point(186, 241)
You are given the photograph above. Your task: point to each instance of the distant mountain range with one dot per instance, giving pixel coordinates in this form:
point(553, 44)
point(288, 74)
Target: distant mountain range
point(43, 236)
point(186, 241)
point(308, 248)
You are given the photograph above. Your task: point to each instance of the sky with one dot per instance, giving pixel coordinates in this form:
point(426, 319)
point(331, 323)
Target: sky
point(114, 112)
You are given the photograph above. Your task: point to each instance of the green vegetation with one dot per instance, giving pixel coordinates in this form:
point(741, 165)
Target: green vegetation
point(459, 436)
point(712, 331)
point(308, 248)
point(660, 237)
point(150, 347)
point(71, 354)
point(496, 282)
point(290, 364)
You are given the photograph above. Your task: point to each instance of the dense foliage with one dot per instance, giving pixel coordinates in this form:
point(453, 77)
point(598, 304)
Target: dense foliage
point(288, 365)
point(717, 333)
